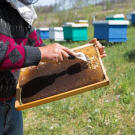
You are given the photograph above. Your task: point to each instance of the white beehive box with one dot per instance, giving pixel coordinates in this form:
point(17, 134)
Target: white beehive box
point(116, 17)
point(56, 34)
point(81, 21)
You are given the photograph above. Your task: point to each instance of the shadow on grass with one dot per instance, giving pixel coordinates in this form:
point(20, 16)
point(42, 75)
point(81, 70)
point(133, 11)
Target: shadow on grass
point(70, 42)
point(131, 25)
point(130, 56)
point(107, 44)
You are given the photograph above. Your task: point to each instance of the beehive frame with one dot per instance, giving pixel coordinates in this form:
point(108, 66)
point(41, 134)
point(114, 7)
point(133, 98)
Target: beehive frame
point(19, 106)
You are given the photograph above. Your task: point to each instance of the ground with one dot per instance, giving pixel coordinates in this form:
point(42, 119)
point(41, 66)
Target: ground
point(105, 111)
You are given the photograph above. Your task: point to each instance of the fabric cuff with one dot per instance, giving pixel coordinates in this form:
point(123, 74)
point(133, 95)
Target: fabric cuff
point(32, 56)
point(43, 44)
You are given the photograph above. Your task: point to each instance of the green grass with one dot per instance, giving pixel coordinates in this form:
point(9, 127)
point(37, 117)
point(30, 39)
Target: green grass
point(105, 111)
point(59, 18)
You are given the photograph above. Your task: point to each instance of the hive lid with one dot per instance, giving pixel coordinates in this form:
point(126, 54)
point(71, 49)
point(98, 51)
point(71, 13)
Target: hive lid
point(69, 23)
point(111, 22)
point(133, 12)
point(56, 28)
point(82, 21)
point(44, 29)
point(116, 16)
point(76, 25)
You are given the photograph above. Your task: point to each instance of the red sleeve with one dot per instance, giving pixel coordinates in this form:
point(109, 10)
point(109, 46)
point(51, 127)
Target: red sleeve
point(34, 39)
point(13, 56)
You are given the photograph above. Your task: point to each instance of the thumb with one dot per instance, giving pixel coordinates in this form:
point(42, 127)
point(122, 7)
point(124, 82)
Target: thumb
point(93, 40)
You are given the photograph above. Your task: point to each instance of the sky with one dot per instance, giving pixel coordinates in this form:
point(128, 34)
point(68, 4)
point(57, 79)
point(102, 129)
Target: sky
point(44, 2)
point(51, 2)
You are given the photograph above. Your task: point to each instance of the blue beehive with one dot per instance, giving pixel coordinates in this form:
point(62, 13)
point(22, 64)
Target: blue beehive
point(131, 17)
point(111, 31)
point(43, 32)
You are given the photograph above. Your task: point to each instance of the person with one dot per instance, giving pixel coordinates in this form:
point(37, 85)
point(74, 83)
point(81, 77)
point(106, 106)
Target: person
point(21, 46)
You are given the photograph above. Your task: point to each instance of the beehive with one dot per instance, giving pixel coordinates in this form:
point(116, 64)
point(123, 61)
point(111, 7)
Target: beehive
point(50, 82)
point(116, 17)
point(131, 17)
point(111, 31)
point(75, 32)
point(56, 34)
point(43, 32)
point(81, 21)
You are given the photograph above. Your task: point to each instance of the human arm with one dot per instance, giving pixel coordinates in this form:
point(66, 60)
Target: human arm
point(14, 56)
point(50, 53)
point(55, 53)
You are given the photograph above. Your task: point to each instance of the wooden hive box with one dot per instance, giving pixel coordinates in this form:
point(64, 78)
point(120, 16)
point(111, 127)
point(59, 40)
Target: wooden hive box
point(112, 30)
point(50, 82)
point(120, 17)
point(75, 32)
point(43, 32)
point(81, 21)
point(131, 17)
point(56, 34)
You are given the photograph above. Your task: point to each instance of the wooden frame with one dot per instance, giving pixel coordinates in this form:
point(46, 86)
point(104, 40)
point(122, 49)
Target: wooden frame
point(105, 82)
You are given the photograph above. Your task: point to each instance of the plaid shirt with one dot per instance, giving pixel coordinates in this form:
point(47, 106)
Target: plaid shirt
point(19, 44)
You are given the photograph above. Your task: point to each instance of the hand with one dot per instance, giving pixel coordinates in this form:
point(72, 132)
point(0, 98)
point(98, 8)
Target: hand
point(55, 53)
point(100, 47)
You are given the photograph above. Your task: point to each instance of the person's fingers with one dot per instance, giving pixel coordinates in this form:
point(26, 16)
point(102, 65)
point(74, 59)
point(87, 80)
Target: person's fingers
point(100, 47)
point(93, 40)
point(101, 50)
point(60, 57)
point(64, 54)
point(56, 60)
point(98, 44)
point(104, 55)
point(70, 52)
point(67, 50)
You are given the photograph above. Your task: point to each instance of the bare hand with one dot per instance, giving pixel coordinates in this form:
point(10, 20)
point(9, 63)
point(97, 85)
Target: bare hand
point(55, 53)
point(100, 47)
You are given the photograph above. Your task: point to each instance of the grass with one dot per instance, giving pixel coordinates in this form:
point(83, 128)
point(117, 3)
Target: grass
point(59, 18)
point(105, 111)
